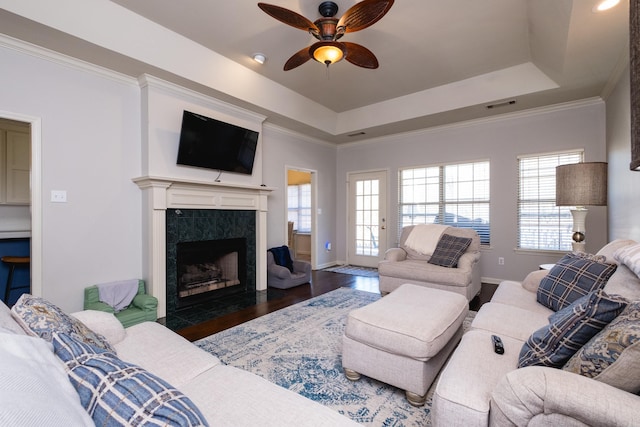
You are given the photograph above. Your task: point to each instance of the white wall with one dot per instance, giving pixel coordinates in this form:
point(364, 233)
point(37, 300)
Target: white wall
point(91, 149)
point(100, 130)
point(624, 184)
point(499, 140)
point(93, 138)
point(287, 150)
point(162, 107)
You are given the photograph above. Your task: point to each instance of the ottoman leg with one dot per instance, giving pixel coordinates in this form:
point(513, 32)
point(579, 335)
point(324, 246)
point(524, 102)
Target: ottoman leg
point(416, 399)
point(351, 374)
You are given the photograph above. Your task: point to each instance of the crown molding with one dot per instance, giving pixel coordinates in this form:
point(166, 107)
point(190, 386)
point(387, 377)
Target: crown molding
point(147, 80)
point(532, 112)
point(64, 60)
point(295, 134)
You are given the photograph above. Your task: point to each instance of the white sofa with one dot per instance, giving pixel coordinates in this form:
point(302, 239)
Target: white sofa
point(479, 387)
point(409, 263)
point(35, 389)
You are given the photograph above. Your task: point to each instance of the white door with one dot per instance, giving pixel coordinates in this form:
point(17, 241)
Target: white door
point(367, 234)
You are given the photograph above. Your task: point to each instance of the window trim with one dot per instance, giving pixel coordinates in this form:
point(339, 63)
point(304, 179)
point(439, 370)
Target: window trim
point(442, 202)
point(576, 151)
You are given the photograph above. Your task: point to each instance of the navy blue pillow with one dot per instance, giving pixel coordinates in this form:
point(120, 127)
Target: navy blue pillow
point(574, 276)
point(570, 329)
point(282, 256)
point(449, 250)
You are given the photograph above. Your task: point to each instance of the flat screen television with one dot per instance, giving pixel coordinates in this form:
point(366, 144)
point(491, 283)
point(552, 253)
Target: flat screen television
point(212, 144)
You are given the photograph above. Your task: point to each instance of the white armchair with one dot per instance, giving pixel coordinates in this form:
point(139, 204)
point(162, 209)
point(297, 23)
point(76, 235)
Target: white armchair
point(406, 264)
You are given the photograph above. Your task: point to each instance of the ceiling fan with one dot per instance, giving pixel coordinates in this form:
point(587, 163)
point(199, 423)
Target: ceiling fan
point(328, 29)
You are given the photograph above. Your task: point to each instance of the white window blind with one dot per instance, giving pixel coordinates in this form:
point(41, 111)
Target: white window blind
point(299, 207)
point(541, 224)
point(452, 194)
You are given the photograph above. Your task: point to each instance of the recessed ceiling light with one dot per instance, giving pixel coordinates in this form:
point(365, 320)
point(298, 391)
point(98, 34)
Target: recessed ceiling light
point(603, 5)
point(259, 58)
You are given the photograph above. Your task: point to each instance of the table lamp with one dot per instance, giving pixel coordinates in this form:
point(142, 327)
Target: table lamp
point(580, 185)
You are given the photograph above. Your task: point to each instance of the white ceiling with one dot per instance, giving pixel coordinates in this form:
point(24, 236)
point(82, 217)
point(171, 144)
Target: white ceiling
point(440, 61)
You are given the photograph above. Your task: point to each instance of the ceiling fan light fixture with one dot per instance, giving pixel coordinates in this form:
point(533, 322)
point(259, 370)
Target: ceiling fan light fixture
point(603, 5)
point(327, 52)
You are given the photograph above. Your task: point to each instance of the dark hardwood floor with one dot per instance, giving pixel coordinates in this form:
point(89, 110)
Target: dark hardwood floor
point(321, 282)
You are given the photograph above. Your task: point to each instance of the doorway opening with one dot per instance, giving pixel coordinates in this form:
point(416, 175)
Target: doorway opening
point(300, 214)
point(20, 206)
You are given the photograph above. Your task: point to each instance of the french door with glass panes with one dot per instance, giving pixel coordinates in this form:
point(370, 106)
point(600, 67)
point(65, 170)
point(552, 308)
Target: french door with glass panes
point(367, 232)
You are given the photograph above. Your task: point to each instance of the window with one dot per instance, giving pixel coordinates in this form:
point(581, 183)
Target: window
point(541, 224)
point(299, 210)
point(453, 194)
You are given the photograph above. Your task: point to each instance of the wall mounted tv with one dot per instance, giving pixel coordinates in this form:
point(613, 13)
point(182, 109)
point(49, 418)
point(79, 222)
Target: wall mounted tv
point(212, 144)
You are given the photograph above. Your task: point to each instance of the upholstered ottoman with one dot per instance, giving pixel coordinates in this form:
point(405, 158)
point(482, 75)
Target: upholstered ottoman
point(404, 338)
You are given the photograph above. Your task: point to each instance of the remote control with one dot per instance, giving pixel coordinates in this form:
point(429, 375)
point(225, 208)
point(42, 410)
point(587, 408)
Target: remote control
point(498, 347)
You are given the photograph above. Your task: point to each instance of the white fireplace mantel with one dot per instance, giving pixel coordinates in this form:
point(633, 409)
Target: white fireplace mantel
point(162, 193)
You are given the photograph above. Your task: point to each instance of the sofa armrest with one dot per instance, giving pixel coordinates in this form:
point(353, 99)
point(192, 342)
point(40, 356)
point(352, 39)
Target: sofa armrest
point(145, 302)
point(98, 306)
point(468, 260)
point(91, 295)
point(546, 396)
point(301, 266)
point(279, 271)
point(395, 254)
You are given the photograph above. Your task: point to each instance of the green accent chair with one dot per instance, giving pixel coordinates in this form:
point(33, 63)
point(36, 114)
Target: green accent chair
point(143, 308)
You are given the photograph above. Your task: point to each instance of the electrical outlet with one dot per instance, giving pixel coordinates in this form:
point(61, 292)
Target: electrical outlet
point(327, 246)
point(500, 260)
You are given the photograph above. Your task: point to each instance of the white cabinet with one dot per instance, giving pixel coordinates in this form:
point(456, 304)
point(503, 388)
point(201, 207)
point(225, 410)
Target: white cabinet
point(15, 163)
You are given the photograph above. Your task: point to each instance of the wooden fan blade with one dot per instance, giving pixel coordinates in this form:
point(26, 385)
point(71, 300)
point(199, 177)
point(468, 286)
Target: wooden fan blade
point(298, 58)
point(360, 56)
point(363, 15)
point(289, 17)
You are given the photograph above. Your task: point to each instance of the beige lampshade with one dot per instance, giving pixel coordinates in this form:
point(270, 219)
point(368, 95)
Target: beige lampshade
point(581, 184)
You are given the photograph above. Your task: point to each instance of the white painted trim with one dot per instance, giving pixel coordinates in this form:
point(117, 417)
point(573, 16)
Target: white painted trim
point(61, 59)
point(147, 80)
point(36, 196)
point(481, 121)
point(298, 135)
point(161, 193)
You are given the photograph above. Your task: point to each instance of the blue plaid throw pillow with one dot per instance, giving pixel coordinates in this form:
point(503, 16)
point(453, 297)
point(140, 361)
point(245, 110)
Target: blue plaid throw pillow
point(570, 329)
point(449, 250)
point(117, 393)
point(574, 276)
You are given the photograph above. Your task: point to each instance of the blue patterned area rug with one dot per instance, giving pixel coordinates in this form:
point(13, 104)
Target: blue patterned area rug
point(354, 270)
point(299, 348)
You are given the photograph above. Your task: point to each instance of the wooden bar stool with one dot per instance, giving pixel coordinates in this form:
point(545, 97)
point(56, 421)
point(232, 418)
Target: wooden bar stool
point(13, 262)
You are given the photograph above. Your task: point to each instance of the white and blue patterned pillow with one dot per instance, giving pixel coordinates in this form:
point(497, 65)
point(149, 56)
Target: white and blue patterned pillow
point(574, 276)
point(630, 256)
point(41, 318)
point(613, 355)
point(118, 393)
point(569, 329)
point(449, 250)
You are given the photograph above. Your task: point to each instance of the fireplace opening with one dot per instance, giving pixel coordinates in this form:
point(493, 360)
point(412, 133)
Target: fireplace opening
point(210, 269)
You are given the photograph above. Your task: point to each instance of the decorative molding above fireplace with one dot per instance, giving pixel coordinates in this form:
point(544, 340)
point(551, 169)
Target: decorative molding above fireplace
point(161, 193)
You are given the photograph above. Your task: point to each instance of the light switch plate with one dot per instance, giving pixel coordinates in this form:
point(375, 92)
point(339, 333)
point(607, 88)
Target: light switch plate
point(59, 196)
